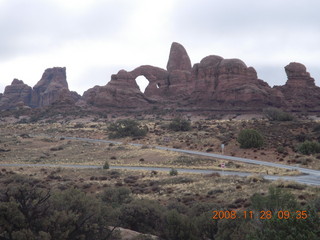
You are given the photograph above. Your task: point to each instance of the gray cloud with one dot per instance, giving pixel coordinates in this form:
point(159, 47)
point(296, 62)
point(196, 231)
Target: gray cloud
point(33, 26)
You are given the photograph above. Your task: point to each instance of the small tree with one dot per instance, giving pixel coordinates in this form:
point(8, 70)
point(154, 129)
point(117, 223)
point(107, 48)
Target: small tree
point(250, 138)
point(179, 124)
point(308, 148)
point(126, 128)
point(173, 172)
point(106, 165)
point(275, 114)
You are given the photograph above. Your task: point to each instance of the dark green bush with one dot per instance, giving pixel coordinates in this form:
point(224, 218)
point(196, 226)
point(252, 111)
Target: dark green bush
point(178, 227)
point(180, 124)
point(116, 196)
point(275, 114)
point(126, 128)
point(308, 147)
point(249, 138)
point(106, 165)
point(173, 172)
point(276, 199)
point(142, 215)
point(30, 211)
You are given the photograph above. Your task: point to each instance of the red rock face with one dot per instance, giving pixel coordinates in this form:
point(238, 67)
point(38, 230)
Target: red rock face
point(178, 58)
point(52, 87)
point(300, 92)
point(214, 83)
point(121, 92)
point(16, 94)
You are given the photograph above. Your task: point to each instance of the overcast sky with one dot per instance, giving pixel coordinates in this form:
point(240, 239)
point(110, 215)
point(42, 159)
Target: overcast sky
point(94, 39)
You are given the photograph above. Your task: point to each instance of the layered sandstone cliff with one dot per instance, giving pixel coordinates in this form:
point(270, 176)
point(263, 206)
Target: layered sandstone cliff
point(51, 88)
point(213, 84)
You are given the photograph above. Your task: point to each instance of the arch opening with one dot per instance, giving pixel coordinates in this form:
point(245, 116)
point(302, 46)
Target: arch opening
point(142, 83)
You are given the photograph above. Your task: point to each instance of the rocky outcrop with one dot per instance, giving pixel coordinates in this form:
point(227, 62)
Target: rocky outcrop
point(121, 92)
point(16, 94)
point(51, 88)
point(300, 92)
point(214, 83)
point(178, 58)
point(231, 83)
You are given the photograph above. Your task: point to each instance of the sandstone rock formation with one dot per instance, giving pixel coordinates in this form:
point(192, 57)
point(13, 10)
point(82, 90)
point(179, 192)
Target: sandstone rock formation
point(231, 83)
point(16, 94)
point(214, 84)
point(300, 92)
point(121, 92)
point(178, 58)
point(52, 87)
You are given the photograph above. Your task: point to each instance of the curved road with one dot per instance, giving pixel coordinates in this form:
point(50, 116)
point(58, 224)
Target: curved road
point(311, 177)
point(214, 155)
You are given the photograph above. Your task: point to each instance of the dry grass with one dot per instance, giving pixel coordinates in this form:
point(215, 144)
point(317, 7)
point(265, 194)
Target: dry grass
point(225, 192)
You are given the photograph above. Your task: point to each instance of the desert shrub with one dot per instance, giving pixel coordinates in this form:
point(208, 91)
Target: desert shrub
point(205, 226)
point(179, 124)
point(235, 229)
point(30, 211)
point(106, 165)
point(276, 199)
point(316, 128)
point(116, 196)
point(308, 147)
point(143, 216)
point(275, 114)
point(280, 149)
point(126, 128)
point(250, 138)
point(79, 125)
point(173, 172)
point(178, 227)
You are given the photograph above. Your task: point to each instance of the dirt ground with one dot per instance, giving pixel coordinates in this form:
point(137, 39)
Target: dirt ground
point(43, 143)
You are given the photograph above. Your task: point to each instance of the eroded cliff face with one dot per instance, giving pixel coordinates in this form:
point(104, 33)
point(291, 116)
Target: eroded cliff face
point(215, 82)
point(16, 94)
point(51, 88)
point(300, 92)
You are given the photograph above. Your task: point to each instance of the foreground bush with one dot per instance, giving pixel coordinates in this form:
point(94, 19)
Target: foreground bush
point(308, 148)
point(249, 138)
point(126, 128)
point(179, 124)
point(30, 211)
point(275, 114)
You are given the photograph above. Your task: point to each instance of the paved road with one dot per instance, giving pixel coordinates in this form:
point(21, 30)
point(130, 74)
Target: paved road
point(311, 177)
point(214, 155)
